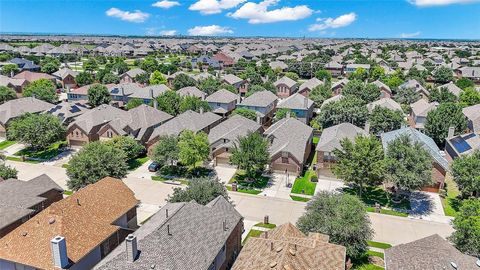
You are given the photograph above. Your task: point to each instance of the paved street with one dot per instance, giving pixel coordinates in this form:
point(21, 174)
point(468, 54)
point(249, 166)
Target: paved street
point(152, 194)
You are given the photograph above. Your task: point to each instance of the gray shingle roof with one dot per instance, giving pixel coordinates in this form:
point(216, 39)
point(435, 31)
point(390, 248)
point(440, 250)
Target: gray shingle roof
point(429, 253)
point(416, 136)
point(188, 120)
point(289, 135)
point(103, 114)
point(196, 237)
point(384, 103)
point(222, 96)
point(310, 84)
point(296, 101)
point(332, 136)
point(260, 99)
point(231, 79)
point(285, 80)
point(191, 91)
point(232, 128)
point(17, 107)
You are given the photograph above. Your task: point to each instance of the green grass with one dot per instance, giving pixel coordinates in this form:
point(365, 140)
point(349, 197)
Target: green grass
point(6, 144)
point(259, 182)
point(65, 166)
point(158, 178)
point(252, 233)
point(67, 192)
point(46, 154)
point(162, 179)
point(136, 162)
point(315, 140)
point(372, 195)
point(263, 225)
point(248, 191)
point(387, 212)
point(363, 262)
point(304, 184)
point(379, 245)
point(451, 203)
point(299, 199)
point(19, 159)
point(376, 254)
point(367, 267)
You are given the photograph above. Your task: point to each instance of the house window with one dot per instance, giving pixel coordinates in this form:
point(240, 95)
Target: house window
point(226, 149)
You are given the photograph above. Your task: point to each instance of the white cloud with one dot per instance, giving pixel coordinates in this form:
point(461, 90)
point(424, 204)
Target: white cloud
point(410, 35)
point(257, 13)
point(428, 3)
point(168, 32)
point(136, 16)
point(166, 4)
point(207, 7)
point(211, 30)
point(340, 21)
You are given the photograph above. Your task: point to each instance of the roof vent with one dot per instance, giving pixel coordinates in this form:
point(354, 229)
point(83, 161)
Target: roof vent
point(279, 249)
point(24, 234)
point(168, 229)
point(51, 221)
point(454, 265)
point(273, 264)
point(152, 266)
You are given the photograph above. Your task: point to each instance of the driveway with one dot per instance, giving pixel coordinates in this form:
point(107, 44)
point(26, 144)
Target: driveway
point(328, 184)
point(225, 173)
point(12, 149)
point(427, 206)
point(277, 186)
point(142, 171)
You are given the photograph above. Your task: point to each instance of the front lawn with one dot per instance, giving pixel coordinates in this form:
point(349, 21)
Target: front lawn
point(372, 195)
point(263, 225)
point(244, 190)
point(387, 212)
point(303, 185)
point(50, 152)
point(451, 203)
point(6, 144)
point(259, 182)
point(379, 245)
point(299, 199)
point(137, 162)
point(364, 263)
point(252, 233)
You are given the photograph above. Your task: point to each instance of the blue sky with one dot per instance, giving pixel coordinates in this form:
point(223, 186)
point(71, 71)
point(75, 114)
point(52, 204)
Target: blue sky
point(458, 19)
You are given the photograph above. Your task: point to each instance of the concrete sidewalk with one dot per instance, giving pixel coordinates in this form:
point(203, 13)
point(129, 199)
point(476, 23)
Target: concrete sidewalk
point(277, 186)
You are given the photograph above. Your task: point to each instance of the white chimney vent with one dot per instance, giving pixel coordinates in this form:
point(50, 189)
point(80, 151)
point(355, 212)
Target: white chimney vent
point(59, 252)
point(131, 243)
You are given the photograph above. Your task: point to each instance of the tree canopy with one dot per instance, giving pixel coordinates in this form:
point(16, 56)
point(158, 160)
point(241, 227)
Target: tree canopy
point(470, 97)
point(128, 145)
point(443, 74)
point(251, 154)
point(320, 93)
point(166, 150)
point(366, 92)
point(6, 94)
point(343, 217)
point(466, 226)
point(84, 78)
point(169, 102)
point(247, 113)
point(193, 147)
point(157, 78)
point(201, 190)
point(133, 103)
point(194, 104)
point(384, 120)
point(43, 89)
point(347, 109)
point(183, 80)
point(98, 94)
point(466, 173)
point(439, 120)
point(441, 95)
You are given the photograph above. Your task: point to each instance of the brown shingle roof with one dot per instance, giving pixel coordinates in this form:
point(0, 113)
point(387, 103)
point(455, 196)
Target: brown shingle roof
point(84, 225)
point(287, 248)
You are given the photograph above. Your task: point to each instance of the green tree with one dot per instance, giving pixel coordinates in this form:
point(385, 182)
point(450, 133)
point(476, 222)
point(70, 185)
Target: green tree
point(466, 235)
point(6, 94)
point(166, 150)
point(194, 147)
point(282, 113)
point(347, 109)
point(43, 89)
point(110, 78)
point(443, 75)
point(470, 97)
point(157, 78)
point(247, 113)
point(377, 73)
point(466, 173)
point(343, 217)
point(7, 172)
point(150, 64)
point(90, 65)
point(393, 81)
point(323, 75)
point(441, 95)
point(360, 74)
point(120, 67)
point(50, 67)
point(93, 162)
point(255, 88)
point(8, 69)
point(360, 162)
point(169, 102)
point(36, 130)
point(98, 94)
point(250, 153)
point(366, 92)
point(320, 93)
point(409, 165)
point(128, 145)
point(133, 103)
point(406, 96)
point(200, 190)
point(384, 120)
point(183, 80)
point(209, 85)
point(84, 78)
point(194, 104)
point(464, 83)
point(292, 75)
point(446, 115)
point(142, 78)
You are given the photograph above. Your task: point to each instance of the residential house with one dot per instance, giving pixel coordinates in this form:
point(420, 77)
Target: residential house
point(332, 99)
point(387, 103)
point(428, 253)
point(286, 247)
point(66, 77)
point(285, 87)
point(420, 110)
point(306, 87)
point(13, 83)
point(30, 76)
point(385, 91)
point(223, 102)
point(417, 87)
point(24, 64)
point(334, 68)
point(350, 68)
point(223, 136)
point(17, 107)
point(290, 145)
point(462, 145)
point(144, 120)
point(74, 233)
point(440, 163)
point(124, 92)
point(21, 200)
point(264, 103)
point(180, 236)
point(240, 84)
point(224, 59)
point(300, 105)
point(472, 73)
point(68, 111)
point(188, 120)
point(452, 88)
point(278, 65)
point(330, 140)
point(204, 62)
point(337, 87)
point(191, 91)
point(129, 76)
point(473, 116)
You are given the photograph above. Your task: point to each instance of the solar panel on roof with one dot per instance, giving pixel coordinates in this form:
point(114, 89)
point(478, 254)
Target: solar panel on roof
point(469, 136)
point(460, 144)
point(74, 109)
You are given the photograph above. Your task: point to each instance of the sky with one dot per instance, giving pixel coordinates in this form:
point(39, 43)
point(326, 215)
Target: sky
point(423, 19)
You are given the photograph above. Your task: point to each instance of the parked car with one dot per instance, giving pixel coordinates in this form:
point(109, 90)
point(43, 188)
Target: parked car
point(153, 167)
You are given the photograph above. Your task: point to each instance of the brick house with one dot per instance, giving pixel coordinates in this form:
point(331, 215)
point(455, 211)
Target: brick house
point(66, 77)
point(240, 84)
point(285, 87)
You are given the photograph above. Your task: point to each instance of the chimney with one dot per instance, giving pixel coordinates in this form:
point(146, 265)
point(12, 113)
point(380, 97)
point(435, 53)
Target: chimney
point(287, 115)
point(367, 127)
point(451, 132)
point(151, 93)
point(11, 73)
point(239, 98)
point(123, 91)
point(155, 103)
point(259, 119)
point(59, 252)
point(201, 110)
point(131, 244)
point(225, 225)
point(166, 213)
point(305, 102)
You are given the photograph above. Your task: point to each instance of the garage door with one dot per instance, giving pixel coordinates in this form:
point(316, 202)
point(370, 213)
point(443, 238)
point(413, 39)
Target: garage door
point(222, 160)
point(280, 168)
point(75, 143)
